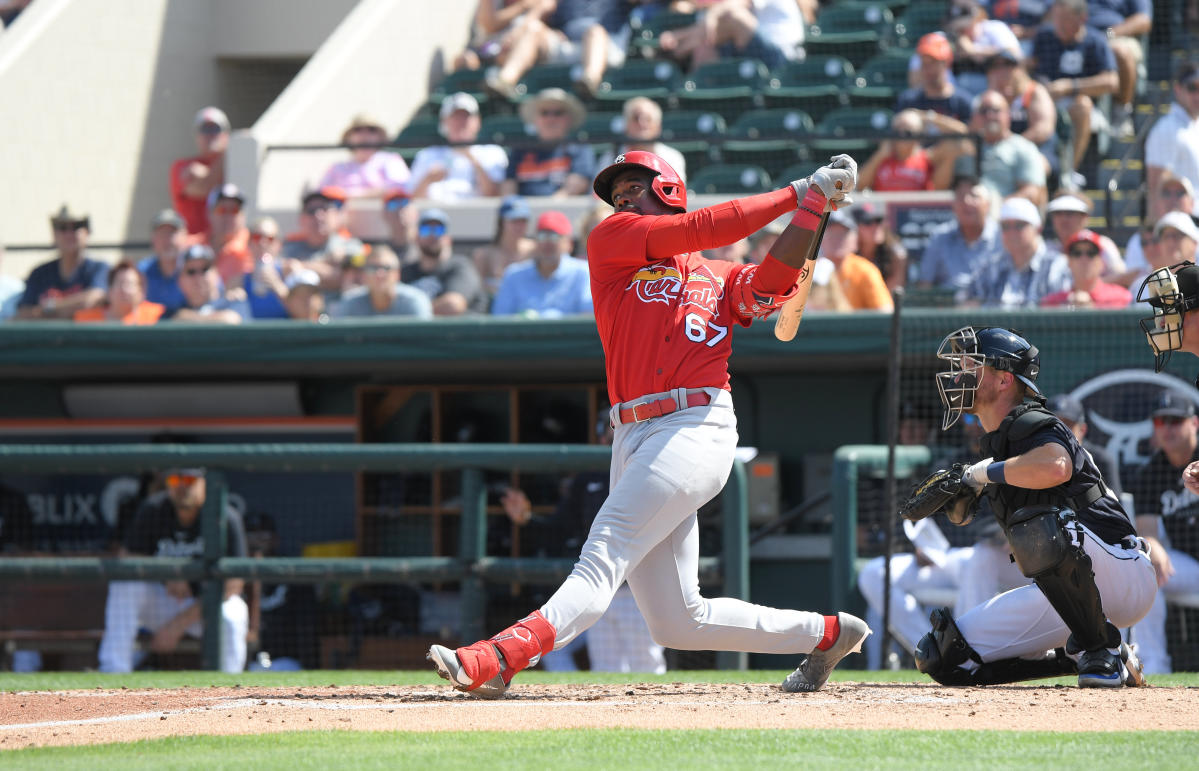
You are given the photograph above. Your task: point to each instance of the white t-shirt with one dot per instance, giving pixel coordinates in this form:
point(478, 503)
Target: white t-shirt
point(1173, 144)
point(461, 180)
point(780, 22)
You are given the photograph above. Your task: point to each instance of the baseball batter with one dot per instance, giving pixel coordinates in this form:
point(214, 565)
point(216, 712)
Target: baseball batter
point(1066, 529)
point(665, 317)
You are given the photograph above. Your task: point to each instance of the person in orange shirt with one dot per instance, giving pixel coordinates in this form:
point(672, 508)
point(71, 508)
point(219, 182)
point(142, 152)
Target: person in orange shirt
point(861, 281)
point(126, 301)
point(229, 237)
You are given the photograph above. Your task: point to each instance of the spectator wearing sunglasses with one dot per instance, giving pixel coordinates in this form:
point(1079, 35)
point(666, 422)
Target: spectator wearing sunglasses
point(900, 164)
point(1068, 214)
point(1025, 271)
point(322, 243)
point(510, 245)
point(1173, 143)
point(70, 282)
point(1163, 502)
point(1084, 256)
point(460, 168)
point(552, 284)
point(266, 285)
point(168, 237)
point(228, 235)
point(203, 300)
point(193, 179)
point(383, 294)
point(450, 280)
point(1173, 194)
point(556, 166)
point(372, 171)
point(1010, 164)
point(168, 524)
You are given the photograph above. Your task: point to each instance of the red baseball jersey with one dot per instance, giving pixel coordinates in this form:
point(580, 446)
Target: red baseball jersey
point(664, 313)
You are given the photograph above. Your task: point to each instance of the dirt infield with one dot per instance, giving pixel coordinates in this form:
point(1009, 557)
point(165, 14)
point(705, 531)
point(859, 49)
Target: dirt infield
point(102, 715)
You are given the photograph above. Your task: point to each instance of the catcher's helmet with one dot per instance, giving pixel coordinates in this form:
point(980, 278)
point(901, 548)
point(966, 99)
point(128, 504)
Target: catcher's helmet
point(1171, 292)
point(667, 185)
point(968, 350)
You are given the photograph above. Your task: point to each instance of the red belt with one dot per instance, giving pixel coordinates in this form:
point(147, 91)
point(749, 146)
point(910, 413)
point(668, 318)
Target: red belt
point(647, 410)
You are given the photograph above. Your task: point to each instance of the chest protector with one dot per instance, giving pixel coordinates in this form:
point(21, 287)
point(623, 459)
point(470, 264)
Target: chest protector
point(1022, 422)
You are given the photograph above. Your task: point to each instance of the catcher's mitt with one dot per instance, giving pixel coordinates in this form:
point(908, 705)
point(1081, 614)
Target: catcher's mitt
point(943, 490)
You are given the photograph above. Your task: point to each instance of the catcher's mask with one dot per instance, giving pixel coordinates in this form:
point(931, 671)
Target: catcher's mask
point(1171, 292)
point(967, 351)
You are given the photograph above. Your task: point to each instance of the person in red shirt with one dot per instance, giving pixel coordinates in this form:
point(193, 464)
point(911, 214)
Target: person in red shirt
point(665, 316)
point(193, 179)
point(1085, 252)
point(901, 164)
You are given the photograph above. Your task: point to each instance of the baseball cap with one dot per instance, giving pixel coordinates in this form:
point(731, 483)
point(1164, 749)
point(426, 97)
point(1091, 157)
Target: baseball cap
point(328, 193)
point(866, 212)
point(1067, 408)
point(1068, 203)
point(167, 217)
point(1182, 182)
point(1003, 55)
point(514, 207)
point(1173, 404)
point(303, 277)
point(1180, 221)
point(459, 100)
point(1020, 209)
point(1090, 236)
point(196, 252)
point(435, 215)
point(212, 115)
point(555, 222)
point(227, 191)
point(842, 218)
point(1188, 72)
point(936, 45)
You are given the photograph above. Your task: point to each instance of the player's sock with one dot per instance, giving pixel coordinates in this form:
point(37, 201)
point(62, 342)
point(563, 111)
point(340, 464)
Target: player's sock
point(832, 630)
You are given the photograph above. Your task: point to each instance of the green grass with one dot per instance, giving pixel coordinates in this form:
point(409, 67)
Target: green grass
point(630, 750)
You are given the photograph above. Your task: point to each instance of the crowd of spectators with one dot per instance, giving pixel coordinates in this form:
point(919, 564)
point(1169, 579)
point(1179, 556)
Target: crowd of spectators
point(990, 94)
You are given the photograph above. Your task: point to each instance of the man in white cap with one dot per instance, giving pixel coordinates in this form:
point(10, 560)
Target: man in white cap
point(1068, 215)
point(460, 168)
point(1026, 270)
point(1177, 237)
point(193, 179)
point(1173, 194)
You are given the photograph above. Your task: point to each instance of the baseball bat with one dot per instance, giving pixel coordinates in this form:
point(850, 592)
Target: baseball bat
point(786, 323)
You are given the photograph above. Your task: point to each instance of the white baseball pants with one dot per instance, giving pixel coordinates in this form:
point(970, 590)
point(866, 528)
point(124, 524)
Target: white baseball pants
point(1021, 622)
point(647, 533)
point(134, 605)
point(1150, 633)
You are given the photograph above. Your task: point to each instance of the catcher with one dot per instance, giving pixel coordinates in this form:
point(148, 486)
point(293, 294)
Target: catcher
point(1066, 530)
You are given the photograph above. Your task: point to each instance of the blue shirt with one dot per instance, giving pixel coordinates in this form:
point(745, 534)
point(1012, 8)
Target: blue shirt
point(566, 292)
point(1105, 14)
point(949, 261)
point(45, 281)
point(408, 301)
point(1080, 59)
point(160, 288)
point(241, 307)
point(956, 105)
point(998, 284)
point(539, 171)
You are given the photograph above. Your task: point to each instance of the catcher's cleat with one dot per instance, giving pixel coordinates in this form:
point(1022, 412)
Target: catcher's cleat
point(480, 684)
point(1101, 669)
point(814, 670)
point(1134, 676)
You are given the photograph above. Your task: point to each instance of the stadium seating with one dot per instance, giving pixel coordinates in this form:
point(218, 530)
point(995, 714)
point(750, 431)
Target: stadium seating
point(920, 18)
point(506, 130)
point(767, 137)
point(727, 86)
point(853, 130)
point(853, 30)
point(421, 131)
point(817, 84)
point(643, 41)
point(656, 79)
point(548, 76)
point(605, 128)
point(735, 178)
point(694, 133)
point(470, 81)
point(881, 79)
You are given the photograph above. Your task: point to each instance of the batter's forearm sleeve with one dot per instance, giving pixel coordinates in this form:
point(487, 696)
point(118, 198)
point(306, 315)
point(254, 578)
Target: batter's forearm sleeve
point(718, 225)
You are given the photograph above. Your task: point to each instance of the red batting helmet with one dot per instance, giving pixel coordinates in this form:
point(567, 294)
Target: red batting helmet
point(667, 184)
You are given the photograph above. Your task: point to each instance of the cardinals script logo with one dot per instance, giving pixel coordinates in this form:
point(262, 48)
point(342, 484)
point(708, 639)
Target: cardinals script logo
point(663, 283)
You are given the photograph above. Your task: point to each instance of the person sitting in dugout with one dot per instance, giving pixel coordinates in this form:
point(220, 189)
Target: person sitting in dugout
point(1066, 529)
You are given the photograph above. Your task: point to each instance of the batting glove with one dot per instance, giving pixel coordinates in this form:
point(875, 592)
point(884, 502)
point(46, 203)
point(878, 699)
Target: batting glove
point(837, 180)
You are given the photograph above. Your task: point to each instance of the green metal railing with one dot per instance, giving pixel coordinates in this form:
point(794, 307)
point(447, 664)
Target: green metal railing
point(850, 463)
point(471, 567)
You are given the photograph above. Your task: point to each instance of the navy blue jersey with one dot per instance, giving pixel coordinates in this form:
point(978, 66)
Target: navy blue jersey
point(956, 105)
point(1157, 491)
point(1104, 517)
point(1078, 59)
